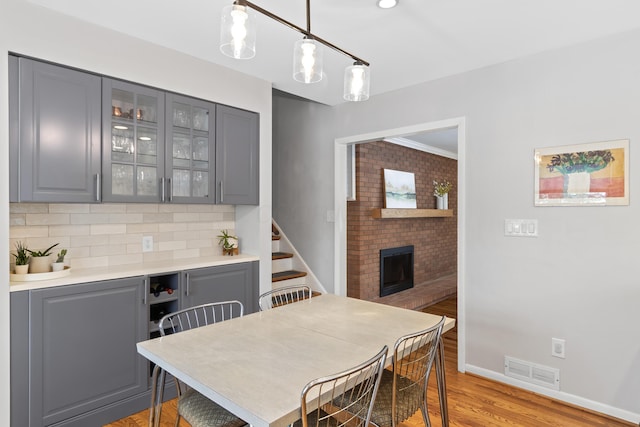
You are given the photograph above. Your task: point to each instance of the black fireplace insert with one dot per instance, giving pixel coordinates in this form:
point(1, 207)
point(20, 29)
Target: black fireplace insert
point(396, 270)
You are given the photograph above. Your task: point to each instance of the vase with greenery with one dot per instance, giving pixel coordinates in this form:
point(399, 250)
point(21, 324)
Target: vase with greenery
point(576, 168)
point(22, 258)
point(58, 265)
point(40, 260)
point(441, 191)
point(228, 242)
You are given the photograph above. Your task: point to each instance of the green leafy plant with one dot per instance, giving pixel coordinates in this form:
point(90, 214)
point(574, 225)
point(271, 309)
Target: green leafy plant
point(441, 188)
point(46, 252)
point(585, 161)
point(61, 255)
point(227, 240)
point(22, 254)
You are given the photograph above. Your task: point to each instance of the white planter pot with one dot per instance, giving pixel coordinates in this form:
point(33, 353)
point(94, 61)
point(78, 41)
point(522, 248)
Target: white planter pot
point(57, 266)
point(22, 269)
point(39, 264)
point(442, 202)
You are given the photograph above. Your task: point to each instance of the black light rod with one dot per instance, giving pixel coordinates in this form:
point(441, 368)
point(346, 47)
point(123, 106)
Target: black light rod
point(299, 29)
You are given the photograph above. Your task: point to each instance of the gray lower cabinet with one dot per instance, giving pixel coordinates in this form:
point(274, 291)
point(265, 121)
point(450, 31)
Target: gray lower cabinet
point(237, 156)
point(55, 133)
point(73, 353)
point(222, 283)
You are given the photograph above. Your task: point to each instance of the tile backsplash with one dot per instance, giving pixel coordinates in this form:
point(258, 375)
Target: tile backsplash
point(102, 235)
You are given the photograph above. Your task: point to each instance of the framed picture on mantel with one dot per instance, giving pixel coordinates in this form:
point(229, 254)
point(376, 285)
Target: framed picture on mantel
point(399, 189)
point(594, 174)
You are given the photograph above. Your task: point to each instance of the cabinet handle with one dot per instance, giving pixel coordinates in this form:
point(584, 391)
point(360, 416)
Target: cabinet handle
point(162, 188)
point(221, 192)
point(169, 189)
point(186, 288)
point(98, 188)
point(146, 291)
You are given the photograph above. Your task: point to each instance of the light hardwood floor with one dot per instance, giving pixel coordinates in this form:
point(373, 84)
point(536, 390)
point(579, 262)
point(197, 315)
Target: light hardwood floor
point(473, 401)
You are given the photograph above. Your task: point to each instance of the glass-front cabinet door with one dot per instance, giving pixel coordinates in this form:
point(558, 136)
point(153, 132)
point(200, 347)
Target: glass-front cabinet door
point(190, 151)
point(133, 143)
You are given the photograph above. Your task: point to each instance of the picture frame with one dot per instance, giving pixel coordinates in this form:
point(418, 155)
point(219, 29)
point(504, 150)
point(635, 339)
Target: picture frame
point(399, 189)
point(591, 174)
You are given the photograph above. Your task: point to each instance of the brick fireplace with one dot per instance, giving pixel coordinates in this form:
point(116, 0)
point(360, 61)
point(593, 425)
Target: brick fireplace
point(434, 239)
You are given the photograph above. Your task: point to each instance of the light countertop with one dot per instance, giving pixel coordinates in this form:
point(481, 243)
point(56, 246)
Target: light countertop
point(120, 271)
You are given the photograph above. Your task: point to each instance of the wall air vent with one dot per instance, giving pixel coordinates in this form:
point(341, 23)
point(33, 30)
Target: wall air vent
point(532, 373)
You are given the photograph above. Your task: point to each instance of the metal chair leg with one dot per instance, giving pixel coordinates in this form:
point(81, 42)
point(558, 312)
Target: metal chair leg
point(157, 394)
point(442, 384)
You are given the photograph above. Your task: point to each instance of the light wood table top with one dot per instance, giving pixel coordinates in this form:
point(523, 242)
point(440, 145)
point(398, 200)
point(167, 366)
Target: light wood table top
point(256, 366)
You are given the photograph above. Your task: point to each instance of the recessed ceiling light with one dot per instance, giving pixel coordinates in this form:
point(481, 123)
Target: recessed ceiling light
point(387, 4)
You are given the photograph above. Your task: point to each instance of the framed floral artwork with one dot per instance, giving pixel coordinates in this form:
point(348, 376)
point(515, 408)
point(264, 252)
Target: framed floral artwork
point(593, 174)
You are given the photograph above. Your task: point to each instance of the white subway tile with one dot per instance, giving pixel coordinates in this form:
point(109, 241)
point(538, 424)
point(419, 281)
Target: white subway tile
point(47, 219)
point(69, 230)
point(108, 229)
point(128, 218)
point(109, 208)
point(69, 208)
point(172, 246)
point(142, 208)
point(28, 208)
point(26, 232)
point(187, 253)
point(142, 228)
point(93, 218)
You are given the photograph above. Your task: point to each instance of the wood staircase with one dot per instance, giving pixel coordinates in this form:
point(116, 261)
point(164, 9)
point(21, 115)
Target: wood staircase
point(282, 272)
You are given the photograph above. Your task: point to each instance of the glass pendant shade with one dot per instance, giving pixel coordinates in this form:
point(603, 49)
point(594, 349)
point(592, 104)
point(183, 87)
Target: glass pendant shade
point(307, 61)
point(356, 82)
point(237, 32)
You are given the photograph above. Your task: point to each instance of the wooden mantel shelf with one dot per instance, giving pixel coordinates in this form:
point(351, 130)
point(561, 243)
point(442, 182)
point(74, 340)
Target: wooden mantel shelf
point(411, 213)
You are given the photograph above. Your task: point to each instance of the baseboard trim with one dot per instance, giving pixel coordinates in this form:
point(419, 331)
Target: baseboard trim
point(568, 398)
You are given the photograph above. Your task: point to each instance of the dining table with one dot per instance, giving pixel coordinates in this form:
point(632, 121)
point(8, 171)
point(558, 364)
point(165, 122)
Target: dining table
point(256, 366)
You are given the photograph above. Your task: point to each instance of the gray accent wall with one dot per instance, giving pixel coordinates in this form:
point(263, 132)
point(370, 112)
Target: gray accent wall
point(578, 280)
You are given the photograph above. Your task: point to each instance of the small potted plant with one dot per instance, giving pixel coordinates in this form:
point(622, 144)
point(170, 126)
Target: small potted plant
point(229, 243)
point(40, 260)
point(59, 264)
point(441, 191)
point(22, 258)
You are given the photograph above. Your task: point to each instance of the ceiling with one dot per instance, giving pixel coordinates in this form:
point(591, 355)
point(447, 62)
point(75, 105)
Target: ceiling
point(417, 41)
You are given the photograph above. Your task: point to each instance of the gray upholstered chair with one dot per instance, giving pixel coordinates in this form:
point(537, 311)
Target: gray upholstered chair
point(193, 406)
point(403, 389)
point(284, 295)
point(343, 399)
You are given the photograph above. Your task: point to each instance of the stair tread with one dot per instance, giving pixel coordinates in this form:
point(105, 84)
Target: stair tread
point(288, 274)
point(281, 255)
point(274, 237)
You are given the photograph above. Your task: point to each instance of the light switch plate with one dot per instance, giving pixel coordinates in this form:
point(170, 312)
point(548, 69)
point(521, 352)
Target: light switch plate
point(521, 227)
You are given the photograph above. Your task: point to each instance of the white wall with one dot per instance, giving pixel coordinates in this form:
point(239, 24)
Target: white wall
point(303, 192)
point(579, 279)
point(31, 30)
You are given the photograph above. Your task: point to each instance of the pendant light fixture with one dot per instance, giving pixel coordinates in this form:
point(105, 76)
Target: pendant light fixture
point(237, 40)
point(237, 32)
point(356, 82)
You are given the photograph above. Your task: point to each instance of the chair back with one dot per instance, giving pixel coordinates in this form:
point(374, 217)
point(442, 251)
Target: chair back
point(285, 295)
point(200, 315)
point(413, 356)
point(343, 399)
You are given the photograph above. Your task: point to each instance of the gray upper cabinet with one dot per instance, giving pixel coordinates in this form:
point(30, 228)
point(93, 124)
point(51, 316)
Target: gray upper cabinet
point(237, 150)
point(82, 348)
point(55, 134)
point(133, 143)
point(190, 152)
